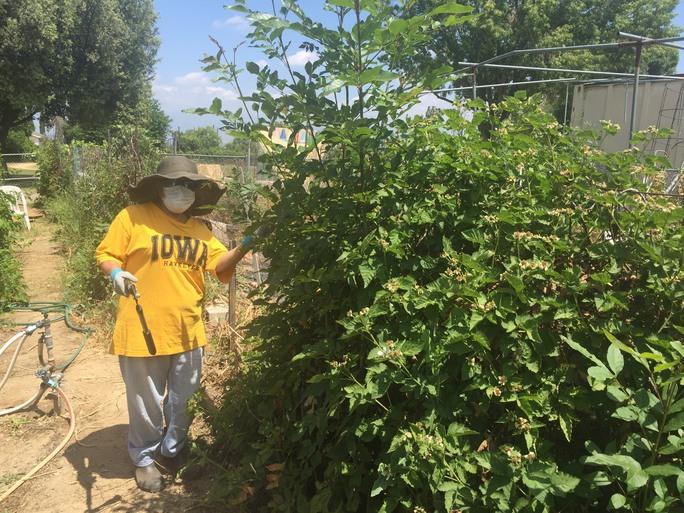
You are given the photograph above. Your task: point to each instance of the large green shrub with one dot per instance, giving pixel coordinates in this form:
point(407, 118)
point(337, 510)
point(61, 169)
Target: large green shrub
point(461, 314)
point(54, 168)
point(86, 207)
point(12, 284)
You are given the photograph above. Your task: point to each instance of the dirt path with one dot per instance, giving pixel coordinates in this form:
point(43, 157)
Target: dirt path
point(93, 473)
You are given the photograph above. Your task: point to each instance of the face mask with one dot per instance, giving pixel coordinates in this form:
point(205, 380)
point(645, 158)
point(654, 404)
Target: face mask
point(177, 198)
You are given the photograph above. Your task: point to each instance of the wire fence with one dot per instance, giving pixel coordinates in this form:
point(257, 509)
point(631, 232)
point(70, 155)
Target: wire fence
point(22, 168)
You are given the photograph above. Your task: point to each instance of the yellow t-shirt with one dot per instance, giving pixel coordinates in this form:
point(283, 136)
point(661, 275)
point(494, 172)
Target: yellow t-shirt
point(169, 259)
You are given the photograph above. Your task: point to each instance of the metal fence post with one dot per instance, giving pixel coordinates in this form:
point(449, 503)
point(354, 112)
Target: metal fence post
point(637, 67)
point(232, 298)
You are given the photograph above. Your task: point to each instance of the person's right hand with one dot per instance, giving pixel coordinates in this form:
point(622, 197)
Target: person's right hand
point(120, 280)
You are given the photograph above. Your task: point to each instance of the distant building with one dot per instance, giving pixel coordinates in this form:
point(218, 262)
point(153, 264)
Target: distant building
point(281, 136)
point(37, 138)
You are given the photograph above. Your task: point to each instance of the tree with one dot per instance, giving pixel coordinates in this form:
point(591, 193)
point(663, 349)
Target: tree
point(202, 140)
point(81, 59)
point(499, 26)
point(154, 119)
point(30, 55)
point(19, 140)
point(114, 45)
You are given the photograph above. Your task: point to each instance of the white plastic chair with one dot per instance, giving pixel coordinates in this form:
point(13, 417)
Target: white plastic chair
point(20, 205)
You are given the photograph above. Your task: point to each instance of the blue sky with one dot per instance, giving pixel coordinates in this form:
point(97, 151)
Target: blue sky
point(184, 29)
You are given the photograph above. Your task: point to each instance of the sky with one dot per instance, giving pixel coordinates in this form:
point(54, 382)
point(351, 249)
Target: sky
point(184, 30)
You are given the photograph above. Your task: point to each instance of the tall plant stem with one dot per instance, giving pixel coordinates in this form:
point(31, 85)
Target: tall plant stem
point(286, 61)
point(359, 87)
point(233, 74)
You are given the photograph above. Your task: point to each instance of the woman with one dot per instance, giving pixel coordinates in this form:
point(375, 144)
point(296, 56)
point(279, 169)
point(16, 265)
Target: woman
point(158, 245)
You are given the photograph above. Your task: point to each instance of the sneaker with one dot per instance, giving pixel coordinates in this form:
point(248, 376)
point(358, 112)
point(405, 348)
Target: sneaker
point(149, 478)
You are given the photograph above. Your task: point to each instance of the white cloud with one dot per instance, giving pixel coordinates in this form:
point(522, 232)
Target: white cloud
point(301, 57)
point(194, 89)
point(427, 101)
point(225, 94)
point(235, 22)
point(193, 79)
point(261, 63)
point(160, 89)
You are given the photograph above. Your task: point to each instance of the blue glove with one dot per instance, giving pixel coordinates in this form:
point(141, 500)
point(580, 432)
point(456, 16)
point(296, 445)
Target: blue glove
point(120, 281)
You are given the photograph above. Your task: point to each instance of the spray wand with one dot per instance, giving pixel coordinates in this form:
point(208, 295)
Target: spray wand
point(146, 331)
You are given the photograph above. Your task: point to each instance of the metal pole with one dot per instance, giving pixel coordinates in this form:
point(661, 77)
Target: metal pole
point(505, 84)
point(249, 155)
point(565, 70)
point(598, 46)
point(474, 82)
point(232, 297)
point(567, 95)
point(635, 92)
point(648, 39)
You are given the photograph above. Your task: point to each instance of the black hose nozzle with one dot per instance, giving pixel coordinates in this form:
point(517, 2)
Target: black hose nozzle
point(151, 347)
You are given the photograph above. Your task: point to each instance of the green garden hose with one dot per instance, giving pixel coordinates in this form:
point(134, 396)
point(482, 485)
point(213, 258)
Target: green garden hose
point(51, 307)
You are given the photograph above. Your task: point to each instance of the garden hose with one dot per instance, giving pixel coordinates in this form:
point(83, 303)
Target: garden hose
point(20, 338)
point(65, 440)
point(46, 307)
point(26, 404)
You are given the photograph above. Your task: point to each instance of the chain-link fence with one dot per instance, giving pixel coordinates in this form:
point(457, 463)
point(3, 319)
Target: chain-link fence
point(21, 168)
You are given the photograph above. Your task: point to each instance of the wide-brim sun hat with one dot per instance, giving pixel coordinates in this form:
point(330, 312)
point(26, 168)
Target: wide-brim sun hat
point(174, 167)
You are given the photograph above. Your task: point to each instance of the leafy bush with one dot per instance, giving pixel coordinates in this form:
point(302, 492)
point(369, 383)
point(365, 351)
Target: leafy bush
point(12, 284)
point(461, 314)
point(54, 168)
point(85, 208)
point(18, 140)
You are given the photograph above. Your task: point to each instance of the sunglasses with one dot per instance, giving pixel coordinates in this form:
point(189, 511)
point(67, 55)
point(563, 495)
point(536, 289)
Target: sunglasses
point(185, 182)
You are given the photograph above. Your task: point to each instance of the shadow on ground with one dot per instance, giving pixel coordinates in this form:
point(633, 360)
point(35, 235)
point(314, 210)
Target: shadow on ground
point(102, 456)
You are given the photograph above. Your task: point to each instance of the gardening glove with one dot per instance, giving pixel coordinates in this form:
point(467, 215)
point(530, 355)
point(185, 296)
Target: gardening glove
point(120, 280)
point(263, 231)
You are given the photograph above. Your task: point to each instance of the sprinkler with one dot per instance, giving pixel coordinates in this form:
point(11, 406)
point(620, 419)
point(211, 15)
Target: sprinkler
point(146, 331)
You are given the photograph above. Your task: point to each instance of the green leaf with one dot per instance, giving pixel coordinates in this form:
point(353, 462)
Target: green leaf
point(636, 477)
point(565, 425)
point(215, 107)
point(677, 407)
point(334, 86)
point(600, 373)
point(677, 346)
point(376, 74)
point(252, 67)
point(451, 8)
point(583, 351)
point(456, 429)
point(616, 394)
point(664, 470)
point(674, 423)
point(397, 26)
point(342, 3)
point(626, 413)
point(367, 274)
point(617, 500)
point(237, 8)
point(411, 347)
point(566, 483)
point(615, 359)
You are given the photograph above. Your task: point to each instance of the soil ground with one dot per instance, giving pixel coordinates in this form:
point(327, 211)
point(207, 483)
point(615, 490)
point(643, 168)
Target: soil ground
point(93, 473)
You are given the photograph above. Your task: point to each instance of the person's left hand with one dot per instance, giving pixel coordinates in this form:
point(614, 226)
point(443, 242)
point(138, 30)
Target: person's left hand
point(260, 233)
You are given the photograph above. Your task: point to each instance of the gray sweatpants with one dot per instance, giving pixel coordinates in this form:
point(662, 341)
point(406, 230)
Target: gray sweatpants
point(157, 393)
